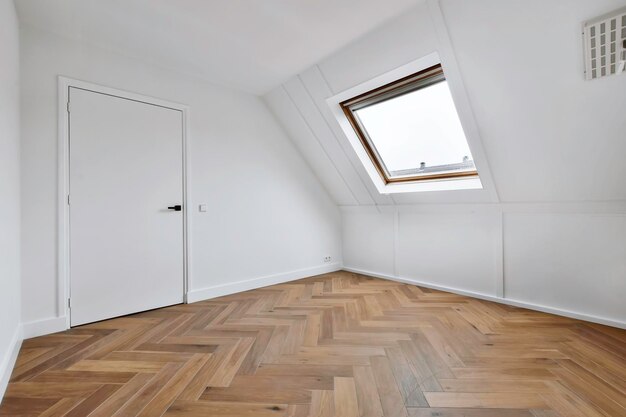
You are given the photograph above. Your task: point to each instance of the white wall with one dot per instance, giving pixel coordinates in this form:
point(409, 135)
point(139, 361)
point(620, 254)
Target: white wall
point(549, 134)
point(568, 259)
point(573, 261)
point(267, 213)
point(9, 191)
point(554, 236)
point(456, 248)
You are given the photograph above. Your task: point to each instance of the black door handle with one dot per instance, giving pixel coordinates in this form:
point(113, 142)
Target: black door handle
point(175, 208)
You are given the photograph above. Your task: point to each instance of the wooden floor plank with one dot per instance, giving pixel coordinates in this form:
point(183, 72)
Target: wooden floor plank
point(388, 391)
point(346, 402)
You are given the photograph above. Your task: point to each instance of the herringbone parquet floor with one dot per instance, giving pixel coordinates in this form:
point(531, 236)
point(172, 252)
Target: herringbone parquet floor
point(339, 344)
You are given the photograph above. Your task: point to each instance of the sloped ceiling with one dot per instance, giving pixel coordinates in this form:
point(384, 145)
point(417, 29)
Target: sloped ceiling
point(548, 135)
point(246, 44)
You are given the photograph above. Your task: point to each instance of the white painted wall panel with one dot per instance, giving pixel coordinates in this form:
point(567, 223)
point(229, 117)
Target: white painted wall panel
point(442, 197)
point(340, 149)
point(570, 261)
point(459, 251)
point(320, 128)
point(9, 189)
point(368, 240)
point(564, 258)
point(300, 133)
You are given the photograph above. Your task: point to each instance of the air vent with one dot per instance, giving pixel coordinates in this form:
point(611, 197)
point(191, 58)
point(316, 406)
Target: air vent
point(605, 45)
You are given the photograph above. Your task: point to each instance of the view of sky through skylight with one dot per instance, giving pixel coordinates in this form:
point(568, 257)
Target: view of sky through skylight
point(421, 126)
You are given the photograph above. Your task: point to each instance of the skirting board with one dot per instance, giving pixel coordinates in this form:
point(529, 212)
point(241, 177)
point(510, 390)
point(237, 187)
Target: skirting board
point(45, 326)
point(508, 301)
point(6, 366)
point(254, 283)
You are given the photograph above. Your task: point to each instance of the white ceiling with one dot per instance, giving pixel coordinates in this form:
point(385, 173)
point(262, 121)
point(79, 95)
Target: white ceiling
point(252, 45)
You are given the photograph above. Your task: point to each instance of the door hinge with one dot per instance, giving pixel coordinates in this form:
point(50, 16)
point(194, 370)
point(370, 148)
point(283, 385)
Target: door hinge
point(68, 106)
point(68, 199)
point(69, 303)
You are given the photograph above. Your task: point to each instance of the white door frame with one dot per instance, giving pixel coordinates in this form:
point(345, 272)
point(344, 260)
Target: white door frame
point(63, 161)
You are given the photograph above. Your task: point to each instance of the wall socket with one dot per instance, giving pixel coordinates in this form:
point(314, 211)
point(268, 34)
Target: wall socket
point(327, 259)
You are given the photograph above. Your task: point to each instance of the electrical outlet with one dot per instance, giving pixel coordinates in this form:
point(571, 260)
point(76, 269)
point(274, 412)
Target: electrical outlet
point(327, 259)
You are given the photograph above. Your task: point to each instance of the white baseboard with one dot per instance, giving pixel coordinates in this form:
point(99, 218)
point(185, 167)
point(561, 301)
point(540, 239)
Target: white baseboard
point(508, 301)
point(254, 283)
point(7, 363)
point(45, 326)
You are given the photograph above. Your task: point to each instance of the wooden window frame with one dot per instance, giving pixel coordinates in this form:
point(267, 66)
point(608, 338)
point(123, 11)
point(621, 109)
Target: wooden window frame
point(421, 79)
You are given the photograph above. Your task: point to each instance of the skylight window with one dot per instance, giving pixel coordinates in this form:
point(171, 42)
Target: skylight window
point(410, 129)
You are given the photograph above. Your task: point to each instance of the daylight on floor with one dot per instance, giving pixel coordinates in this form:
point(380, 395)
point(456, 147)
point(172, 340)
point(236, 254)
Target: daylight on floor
point(313, 208)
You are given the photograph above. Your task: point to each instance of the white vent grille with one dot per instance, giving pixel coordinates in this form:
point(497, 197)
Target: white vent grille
point(605, 45)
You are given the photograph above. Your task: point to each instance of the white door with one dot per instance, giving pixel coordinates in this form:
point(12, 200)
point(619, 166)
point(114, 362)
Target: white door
point(126, 246)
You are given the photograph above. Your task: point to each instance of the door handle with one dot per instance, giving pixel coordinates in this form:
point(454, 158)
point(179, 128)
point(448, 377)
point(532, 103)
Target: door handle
point(175, 208)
